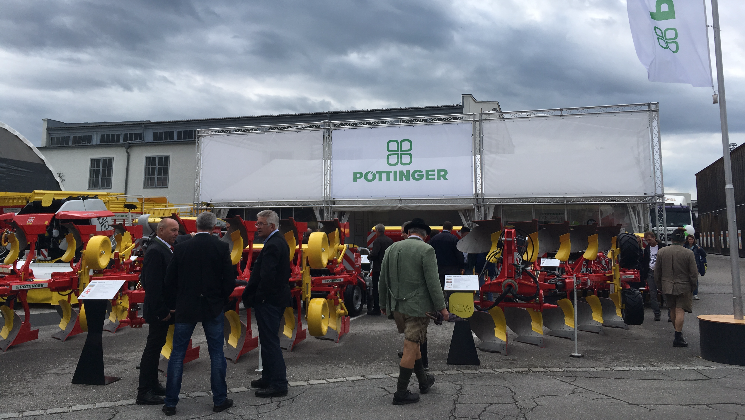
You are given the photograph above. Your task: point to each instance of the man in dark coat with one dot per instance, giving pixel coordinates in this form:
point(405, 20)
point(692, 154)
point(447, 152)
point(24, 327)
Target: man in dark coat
point(379, 245)
point(449, 259)
point(268, 292)
point(199, 280)
point(155, 310)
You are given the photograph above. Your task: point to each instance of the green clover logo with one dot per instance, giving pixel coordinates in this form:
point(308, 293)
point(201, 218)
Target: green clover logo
point(666, 40)
point(399, 152)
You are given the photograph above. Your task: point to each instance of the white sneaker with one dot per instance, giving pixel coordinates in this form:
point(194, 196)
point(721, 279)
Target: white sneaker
point(695, 297)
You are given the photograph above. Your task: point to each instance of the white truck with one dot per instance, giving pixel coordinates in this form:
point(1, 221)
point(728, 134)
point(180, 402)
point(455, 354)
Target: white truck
point(677, 213)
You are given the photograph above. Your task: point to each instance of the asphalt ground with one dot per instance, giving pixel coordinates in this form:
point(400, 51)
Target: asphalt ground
point(622, 374)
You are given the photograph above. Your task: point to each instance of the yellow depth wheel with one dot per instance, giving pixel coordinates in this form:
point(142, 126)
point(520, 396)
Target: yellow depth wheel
point(318, 250)
point(98, 252)
point(318, 317)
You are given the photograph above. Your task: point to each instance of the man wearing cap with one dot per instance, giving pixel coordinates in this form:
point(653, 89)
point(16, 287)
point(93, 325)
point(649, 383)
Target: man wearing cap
point(677, 275)
point(409, 288)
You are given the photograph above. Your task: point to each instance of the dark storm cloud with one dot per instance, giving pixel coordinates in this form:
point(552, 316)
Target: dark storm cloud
point(86, 61)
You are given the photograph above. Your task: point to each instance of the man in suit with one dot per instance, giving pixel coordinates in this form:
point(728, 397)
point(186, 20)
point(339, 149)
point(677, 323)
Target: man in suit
point(199, 280)
point(409, 288)
point(449, 259)
point(155, 310)
point(379, 245)
point(646, 270)
point(268, 292)
point(677, 275)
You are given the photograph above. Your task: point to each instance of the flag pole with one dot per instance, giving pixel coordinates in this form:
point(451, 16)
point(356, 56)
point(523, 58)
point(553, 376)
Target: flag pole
point(729, 189)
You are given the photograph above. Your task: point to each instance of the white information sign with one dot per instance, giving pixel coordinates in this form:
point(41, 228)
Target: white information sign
point(462, 282)
point(550, 262)
point(101, 289)
point(403, 161)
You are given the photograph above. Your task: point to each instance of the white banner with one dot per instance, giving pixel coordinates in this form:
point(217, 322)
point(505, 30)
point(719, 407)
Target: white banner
point(262, 167)
point(671, 41)
point(403, 162)
point(575, 156)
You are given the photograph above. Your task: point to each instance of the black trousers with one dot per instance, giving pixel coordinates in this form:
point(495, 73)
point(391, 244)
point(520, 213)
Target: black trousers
point(156, 338)
point(376, 296)
point(268, 318)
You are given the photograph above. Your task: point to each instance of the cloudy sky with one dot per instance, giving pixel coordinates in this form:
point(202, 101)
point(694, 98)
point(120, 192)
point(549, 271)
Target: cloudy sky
point(78, 61)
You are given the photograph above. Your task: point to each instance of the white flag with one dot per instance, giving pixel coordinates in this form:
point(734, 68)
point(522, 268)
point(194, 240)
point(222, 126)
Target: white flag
point(671, 41)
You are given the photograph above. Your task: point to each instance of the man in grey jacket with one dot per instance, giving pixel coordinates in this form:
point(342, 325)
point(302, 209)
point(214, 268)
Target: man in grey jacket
point(409, 288)
point(677, 275)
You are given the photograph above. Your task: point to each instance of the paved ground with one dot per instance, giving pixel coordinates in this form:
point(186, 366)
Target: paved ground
point(623, 373)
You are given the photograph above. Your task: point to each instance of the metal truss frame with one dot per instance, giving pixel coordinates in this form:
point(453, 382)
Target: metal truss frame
point(479, 205)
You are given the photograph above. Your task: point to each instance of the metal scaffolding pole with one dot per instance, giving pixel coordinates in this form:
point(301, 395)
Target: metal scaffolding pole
point(729, 189)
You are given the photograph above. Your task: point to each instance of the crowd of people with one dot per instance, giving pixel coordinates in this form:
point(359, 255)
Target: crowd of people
point(189, 278)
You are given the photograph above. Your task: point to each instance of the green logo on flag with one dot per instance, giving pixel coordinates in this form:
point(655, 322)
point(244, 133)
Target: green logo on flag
point(667, 38)
point(660, 14)
point(399, 152)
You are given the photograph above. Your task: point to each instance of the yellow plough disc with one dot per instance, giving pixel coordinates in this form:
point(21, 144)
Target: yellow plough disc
point(565, 248)
point(318, 250)
point(15, 248)
point(71, 246)
point(235, 328)
point(289, 322)
point(8, 314)
point(291, 243)
point(98, 252)
point(318, 317)
point(237, 252)
point(592, 248)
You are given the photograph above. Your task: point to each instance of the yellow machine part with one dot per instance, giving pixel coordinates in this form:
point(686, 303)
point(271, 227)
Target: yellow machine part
point(495, 252)
point(15, 248)
point(119, 311)
point(568, 309)
point(531, 252)
point(461, 304)
point(47, 296)
point(500, 323)
point(235, 328)
point(306, 285)
point(334, 242)
point(564, 248)
point(71, 246)
point(536, 319)
point(124, 245)
point(67, 315)
point(318, 250)
point(591, 253)
point(340, 251)
point(616, 298)
point(98, 252)
point(318, 317)
point(291, 243)
point(168, 346)
point(237, 252)
point(335, 313)
point(597, 308)
point(289, 322)
point(8, 314)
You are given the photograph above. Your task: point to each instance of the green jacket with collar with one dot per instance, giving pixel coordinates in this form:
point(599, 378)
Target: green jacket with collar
point(409, 282)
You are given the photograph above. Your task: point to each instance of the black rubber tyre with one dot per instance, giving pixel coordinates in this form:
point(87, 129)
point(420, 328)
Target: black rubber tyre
point(353, 299)
point(630, 250)
point(633, 311)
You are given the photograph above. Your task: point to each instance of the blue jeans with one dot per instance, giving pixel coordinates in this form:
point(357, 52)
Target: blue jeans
point(274, 371)
point(213, 330)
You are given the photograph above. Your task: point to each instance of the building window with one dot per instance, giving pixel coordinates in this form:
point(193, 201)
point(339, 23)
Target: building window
point(186, 135)
point(99, 176)
point(156, 171)
point(162, 135)
point(85, 139)
point(60, 141)
point(132, 137)
point(109, 138)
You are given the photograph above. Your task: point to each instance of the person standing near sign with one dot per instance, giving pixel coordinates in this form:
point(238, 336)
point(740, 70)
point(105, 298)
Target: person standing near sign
point(379, 245)
point(199, 281)
point(449, 259)
point(409, 288)
point(646, 268)
point(155, 311)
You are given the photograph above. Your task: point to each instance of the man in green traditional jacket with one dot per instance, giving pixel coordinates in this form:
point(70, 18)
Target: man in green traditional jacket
point(409, 288)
